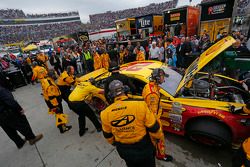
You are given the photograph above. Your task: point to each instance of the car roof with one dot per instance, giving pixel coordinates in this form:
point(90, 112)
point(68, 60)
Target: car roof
point(142, 68)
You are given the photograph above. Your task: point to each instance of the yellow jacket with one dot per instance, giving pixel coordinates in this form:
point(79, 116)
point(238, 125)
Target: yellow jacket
point(39, 72)
point(51, 92)
point(151, 96)
point(246, 148)
point(127, 121)
point(140, 56)
point(65, 79)
point(82, 92)
point(121, 54)
point(42, 57)
point(97, 61)
point(28, 61)
point(105, 60)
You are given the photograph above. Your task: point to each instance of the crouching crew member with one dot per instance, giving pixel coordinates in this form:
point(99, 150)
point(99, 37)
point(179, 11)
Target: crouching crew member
point(126, 124)
point(53, 99)
point(78, 100)
point(65, 81)
point(151, 96)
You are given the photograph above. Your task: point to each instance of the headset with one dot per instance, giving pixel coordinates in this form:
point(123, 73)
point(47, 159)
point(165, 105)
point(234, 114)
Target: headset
point(156, 74)
point(114, 92)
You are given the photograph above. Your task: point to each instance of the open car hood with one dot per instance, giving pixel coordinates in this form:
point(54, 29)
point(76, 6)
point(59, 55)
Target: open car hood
point(204, 59)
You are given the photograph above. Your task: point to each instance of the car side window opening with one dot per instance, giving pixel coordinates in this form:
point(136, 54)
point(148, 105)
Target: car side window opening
point(139, 86)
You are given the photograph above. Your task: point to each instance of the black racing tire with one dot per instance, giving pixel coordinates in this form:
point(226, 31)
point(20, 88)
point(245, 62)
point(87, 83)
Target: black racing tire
point(209, 132)
point(98, 105)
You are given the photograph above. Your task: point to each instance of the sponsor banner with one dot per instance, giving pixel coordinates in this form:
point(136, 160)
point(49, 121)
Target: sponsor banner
point(192, 21)
point(175, 16)
point(144, 22)
point(83, 36)
point(158, 23)
point(122, 26)
point(217, 10)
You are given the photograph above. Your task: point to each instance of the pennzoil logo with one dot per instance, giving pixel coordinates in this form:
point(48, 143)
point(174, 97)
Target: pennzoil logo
point(84, 38)
point(123, 121)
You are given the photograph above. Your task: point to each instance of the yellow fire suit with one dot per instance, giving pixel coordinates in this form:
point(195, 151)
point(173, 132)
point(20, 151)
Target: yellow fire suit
point(140, 56)
point(64, 82)
point(245, 154)
point(105, 60)
point(79, 99)
point(121, 54)
point(151, 96)
point(83, 92)
point(52, 97)
point(65, 79)
point(97, 61)
point(126, 121)
point(126, 124)
point(43, 59)
point(39, 73)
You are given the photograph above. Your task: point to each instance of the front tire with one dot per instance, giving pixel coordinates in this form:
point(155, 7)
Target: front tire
point(209, 132)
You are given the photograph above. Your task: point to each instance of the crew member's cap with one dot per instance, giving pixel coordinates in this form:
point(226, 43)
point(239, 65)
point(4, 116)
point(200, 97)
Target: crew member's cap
point(116, 88)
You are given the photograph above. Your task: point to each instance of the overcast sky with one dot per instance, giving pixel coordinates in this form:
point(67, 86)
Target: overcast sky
point(85, 7)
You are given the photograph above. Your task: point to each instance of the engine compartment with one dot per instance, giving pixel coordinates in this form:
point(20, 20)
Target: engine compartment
point(216, 89)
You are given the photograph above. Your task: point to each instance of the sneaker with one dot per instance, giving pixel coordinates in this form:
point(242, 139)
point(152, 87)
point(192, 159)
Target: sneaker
point(82, 132)
point(167, 158)
point(36, 139)
point(65, 129)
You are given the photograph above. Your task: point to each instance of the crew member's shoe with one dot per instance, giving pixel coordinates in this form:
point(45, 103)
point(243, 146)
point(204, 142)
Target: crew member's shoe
point(65, 128)
point(167, 158)
point(21, 145)
point(36, 139)
point(82, 131)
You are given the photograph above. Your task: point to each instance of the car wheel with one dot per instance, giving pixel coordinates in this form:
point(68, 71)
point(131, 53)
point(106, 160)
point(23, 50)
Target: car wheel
point(209, 132)
point(98, 105)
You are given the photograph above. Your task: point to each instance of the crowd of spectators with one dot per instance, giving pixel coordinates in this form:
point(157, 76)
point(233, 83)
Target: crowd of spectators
point(50, 15)
point(107, 20)
point(12, 34)
point(19, 14)
point(11, 14)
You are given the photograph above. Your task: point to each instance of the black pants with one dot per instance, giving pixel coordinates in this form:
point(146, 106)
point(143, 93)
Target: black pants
point(90, 65)
point(82, 109)
point(65, 92)
point(138, 154)
point(58, 69)
point(13, 122)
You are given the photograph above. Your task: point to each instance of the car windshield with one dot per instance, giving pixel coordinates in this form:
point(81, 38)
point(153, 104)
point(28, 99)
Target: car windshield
point(172, 81)
point(14, 51)
point(45, 47)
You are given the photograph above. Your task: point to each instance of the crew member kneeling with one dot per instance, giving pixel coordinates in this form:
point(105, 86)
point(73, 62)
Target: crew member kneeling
point(126, 124)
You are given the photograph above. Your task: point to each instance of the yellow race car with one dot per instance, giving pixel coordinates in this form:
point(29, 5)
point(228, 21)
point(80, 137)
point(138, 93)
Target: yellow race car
point(206, 107)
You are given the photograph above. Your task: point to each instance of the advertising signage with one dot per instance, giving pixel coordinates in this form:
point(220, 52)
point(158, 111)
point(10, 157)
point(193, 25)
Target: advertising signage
point(175, 16)
point(144, 22)
point(218, 10)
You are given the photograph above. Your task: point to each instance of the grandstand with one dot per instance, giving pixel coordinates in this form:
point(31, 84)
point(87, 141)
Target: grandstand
point(15, 26)
point(107, 20)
